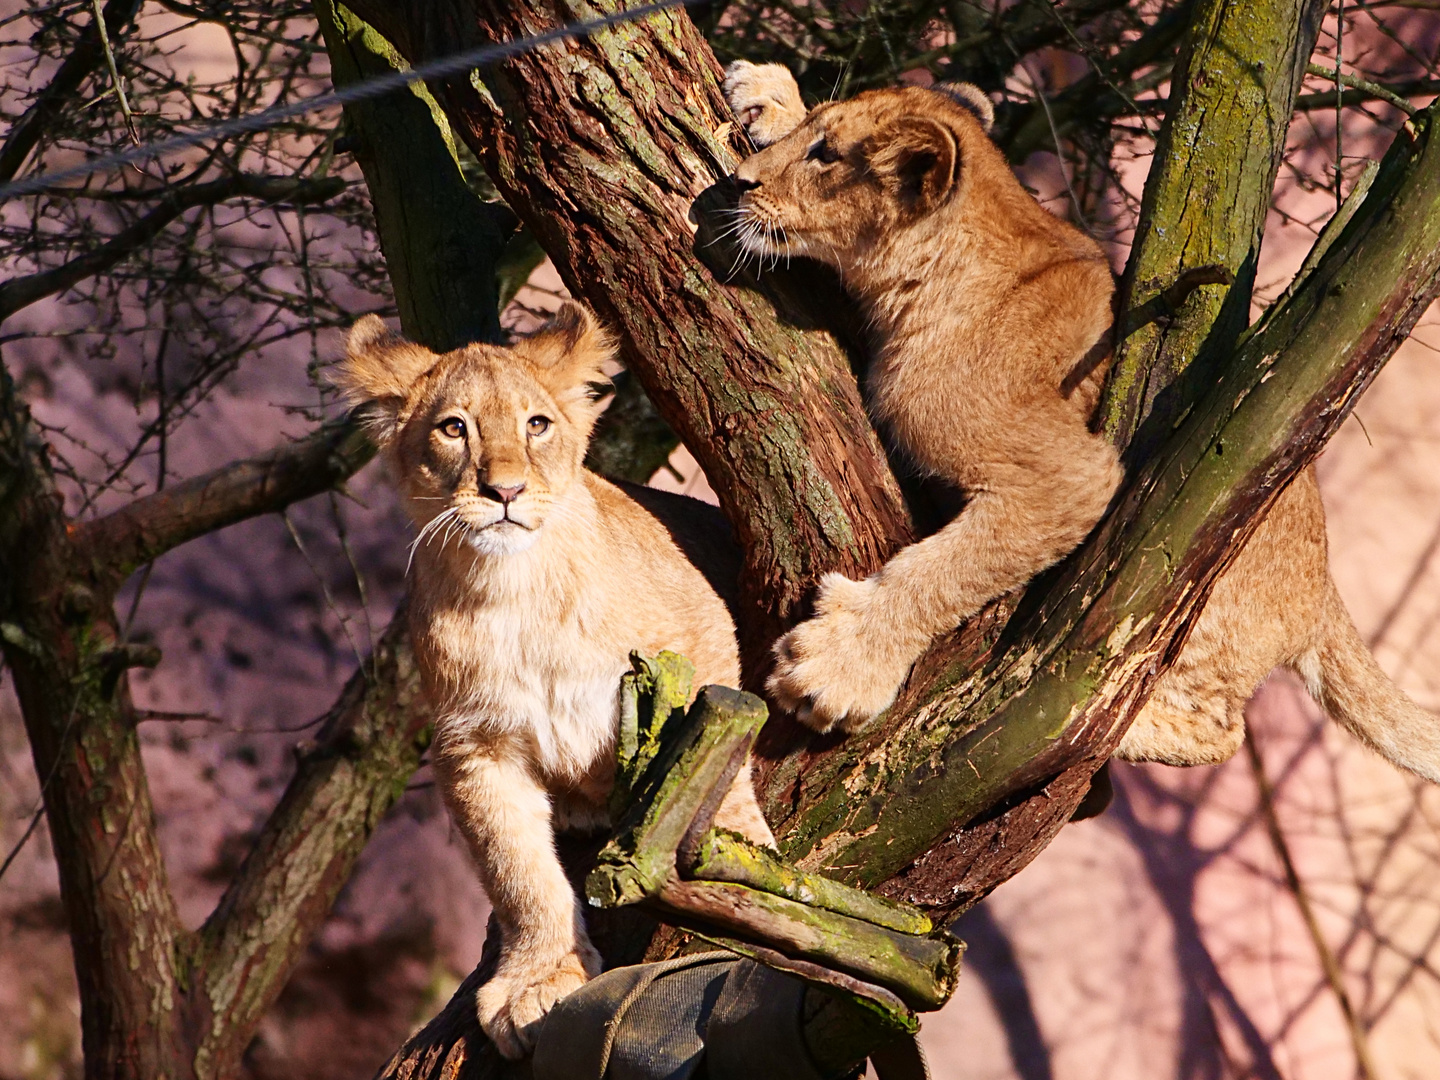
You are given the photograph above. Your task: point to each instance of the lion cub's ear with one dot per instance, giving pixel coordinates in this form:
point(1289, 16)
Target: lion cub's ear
point(972, 98)
point(919, 158)
point(569, 358)
point(379, 370)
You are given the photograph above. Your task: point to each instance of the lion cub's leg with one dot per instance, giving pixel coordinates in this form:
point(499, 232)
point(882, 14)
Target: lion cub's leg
point(1265, 610)
point(765, 99)
point(1187, 721)
point(1027, 510)
point(544, 950)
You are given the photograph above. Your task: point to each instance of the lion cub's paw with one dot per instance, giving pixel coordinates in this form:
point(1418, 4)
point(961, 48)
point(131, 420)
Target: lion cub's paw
point(513, 1003)
point(765, 100)
point(843, 667)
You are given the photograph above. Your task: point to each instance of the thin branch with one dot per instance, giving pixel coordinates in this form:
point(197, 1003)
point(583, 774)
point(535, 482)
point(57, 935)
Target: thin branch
point(1360, 91)
point(115, 80)
point(1091, 97)
point(23, 291)
point(1373, 89)
point(51, 101)
point(1334, 977)
point(24, 838)
point(150, 526)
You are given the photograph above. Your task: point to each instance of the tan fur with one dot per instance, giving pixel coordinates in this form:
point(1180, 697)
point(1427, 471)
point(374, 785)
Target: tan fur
point(523, 615)
point(984, 307)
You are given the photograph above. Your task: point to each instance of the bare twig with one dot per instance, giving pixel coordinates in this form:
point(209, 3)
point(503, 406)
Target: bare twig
point(1334, 977)
point(325, 592)
point(156, 523)
point(1358, 91)
point(115, 80)
point(21, 292)
point(1373, 90)
point(51, 101)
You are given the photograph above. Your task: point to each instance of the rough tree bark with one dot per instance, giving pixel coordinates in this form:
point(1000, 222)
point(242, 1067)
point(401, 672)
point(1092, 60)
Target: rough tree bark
point(992, 743)
point(1215, 165)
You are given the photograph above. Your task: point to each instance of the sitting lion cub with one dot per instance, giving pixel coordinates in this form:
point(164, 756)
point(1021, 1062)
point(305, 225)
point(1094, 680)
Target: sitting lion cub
point(533, 581)
point(982, 305)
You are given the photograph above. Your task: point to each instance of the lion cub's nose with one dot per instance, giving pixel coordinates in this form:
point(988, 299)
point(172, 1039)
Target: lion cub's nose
point(743, 184)
point(502, 494)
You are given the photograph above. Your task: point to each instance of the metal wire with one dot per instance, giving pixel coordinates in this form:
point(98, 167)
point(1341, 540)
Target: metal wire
point(376, 86)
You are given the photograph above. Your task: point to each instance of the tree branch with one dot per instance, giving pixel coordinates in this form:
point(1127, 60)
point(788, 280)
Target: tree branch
point(1021, 132)
point(20, 292)
point(1236, 80)
point(368, 747)
point(427, 217)
point(73, 70)
point(1375, 90)
point(1360, 91)
point(115, 545)
point(124, 928)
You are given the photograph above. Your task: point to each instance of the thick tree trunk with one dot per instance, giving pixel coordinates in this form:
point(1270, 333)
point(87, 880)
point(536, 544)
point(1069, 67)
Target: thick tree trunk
point(61, 643)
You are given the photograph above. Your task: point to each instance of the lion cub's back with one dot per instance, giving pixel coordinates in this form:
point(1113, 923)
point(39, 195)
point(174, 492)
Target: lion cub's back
point(675, 568)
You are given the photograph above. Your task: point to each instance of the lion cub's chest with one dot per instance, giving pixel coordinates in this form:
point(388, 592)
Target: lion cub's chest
point(520, 674)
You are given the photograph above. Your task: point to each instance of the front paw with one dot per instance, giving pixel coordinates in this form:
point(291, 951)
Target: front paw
point(843, 667)
point(765, 99)
point(511, 1005)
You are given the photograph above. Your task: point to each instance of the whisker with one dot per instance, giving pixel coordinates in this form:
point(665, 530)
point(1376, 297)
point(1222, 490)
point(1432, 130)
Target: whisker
point(456, 526)
point(429, 528)
point(730, 230)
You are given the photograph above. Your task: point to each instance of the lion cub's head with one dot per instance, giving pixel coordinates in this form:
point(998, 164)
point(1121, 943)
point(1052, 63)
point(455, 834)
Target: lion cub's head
point(857, 171)
point(486, 440)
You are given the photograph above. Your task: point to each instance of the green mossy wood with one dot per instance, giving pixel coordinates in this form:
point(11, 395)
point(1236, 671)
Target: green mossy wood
point(665, 853)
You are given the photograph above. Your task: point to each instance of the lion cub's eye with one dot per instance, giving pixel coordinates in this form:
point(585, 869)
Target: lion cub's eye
point(453, 428)
point(537, 425)
point(823, 152)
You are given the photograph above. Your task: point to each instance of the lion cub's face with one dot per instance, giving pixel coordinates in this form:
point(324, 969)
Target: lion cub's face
point(853, 172)
point(486, 440)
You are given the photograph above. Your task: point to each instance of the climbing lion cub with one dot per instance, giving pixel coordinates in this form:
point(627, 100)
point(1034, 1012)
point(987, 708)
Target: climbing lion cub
point(982, 304)
point(533, 581)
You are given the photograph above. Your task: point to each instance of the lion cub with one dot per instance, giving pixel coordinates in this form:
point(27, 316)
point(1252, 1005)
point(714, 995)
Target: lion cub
point(533, 581)
point(982, 304)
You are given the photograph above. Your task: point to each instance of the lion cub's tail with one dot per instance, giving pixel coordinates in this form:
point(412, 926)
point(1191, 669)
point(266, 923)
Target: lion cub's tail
point(1344, 677)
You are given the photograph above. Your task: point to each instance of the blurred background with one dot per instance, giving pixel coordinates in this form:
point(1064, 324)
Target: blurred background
point(1212, 923)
